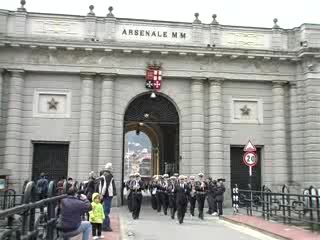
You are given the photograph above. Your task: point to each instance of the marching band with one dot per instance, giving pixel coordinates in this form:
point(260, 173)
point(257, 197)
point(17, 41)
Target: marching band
point(175, 193)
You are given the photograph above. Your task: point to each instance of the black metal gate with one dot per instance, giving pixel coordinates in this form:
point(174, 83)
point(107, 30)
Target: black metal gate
point(240, 172)
point(50, 158)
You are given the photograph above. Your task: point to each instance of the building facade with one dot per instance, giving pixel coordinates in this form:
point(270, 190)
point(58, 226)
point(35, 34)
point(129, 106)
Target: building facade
point(71, 87)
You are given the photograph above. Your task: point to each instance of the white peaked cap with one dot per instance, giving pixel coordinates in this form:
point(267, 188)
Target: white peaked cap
point(108, 166)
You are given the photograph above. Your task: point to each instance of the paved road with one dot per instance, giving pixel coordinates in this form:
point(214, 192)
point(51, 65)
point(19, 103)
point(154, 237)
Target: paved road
point(155, 226)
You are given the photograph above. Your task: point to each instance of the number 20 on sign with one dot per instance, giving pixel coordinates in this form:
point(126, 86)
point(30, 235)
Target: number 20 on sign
point(250, 159)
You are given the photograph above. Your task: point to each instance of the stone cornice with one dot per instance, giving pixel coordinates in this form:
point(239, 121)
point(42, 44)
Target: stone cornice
point(231, 53)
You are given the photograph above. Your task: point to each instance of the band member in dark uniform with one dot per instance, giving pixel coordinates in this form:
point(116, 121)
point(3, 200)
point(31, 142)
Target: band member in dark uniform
point(181, 190)
point(219, 195)
point(129, 192)
point(164, 194)
point(153, 191)
point(159, 192)
point(171, 194)
point(211, 194)
point(136, 188)
point(201, 188)
point(192, 194)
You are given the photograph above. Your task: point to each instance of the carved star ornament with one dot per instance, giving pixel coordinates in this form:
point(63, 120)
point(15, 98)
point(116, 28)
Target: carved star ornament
point(53, 104)
point(245, 110)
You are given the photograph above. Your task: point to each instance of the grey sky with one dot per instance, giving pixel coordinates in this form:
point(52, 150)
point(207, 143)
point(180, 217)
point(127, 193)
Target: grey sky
point(258, 13)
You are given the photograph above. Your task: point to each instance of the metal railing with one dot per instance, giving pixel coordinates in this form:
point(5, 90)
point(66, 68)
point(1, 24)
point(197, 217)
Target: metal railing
point(298, 209)
point(9, 198)
point(32, 219)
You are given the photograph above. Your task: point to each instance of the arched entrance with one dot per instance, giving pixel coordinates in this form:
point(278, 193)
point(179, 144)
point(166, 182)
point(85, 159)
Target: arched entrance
point(151, 136)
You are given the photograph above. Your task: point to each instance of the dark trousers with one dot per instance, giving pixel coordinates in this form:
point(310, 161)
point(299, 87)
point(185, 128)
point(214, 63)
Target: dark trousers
point(192, 201)
point(172, 205)
point(215, 205)
point(164, 201)
point(154, 202)
point(130, 202)
point(210, 200)
point(220, 211)
point(159, 203)
point(136, 204)
point(96, 229)
point(181, 211)
point(201, 199)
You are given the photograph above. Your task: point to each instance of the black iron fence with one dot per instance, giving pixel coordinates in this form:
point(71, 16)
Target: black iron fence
point(32, 219)
point(10, 198)
point(298, 209)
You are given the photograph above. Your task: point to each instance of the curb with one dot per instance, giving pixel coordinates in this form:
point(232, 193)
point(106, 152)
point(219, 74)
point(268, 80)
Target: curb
point(123, 228)
point(271, 234)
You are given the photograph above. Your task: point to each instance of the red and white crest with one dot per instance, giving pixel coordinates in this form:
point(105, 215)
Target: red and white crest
point(153, 78)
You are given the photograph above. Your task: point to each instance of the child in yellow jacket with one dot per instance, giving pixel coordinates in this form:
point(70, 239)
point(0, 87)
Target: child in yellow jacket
point(96, 216)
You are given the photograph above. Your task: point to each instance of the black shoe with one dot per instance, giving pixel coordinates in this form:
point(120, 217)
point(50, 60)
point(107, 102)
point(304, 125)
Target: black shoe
point(107, 229)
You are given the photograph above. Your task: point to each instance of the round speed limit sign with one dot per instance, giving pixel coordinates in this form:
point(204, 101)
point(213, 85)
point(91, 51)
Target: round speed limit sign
point(250, 159)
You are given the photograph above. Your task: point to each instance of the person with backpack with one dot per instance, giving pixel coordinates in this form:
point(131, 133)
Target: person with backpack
point(42, 187)
point(89, 188)
point(107, 190)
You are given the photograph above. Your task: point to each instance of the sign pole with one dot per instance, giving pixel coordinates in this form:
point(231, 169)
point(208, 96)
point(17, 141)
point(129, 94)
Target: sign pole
point(250, 186)
point(250, 159)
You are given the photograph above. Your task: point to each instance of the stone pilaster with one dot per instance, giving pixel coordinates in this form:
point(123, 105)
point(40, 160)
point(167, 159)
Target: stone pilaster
point(279, 143)
point(296, 140)
point(91, 23)
point(3, 21)
point(312, 129)
point(197, 126)
point(276, 40)
point(215, 32)
point(13, 126)
point(197, 30)
point(86, 126)
point(110, 25)
point(215, 128)
point(1, 82)
point(106, 120)
point(301, 110)
point(20, 22)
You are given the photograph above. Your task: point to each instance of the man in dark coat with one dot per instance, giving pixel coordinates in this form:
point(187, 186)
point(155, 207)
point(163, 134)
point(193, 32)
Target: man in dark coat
point(159, 192)
point(73, 207)
point(136, 187)
point(201, 188)
point(90, 186)
point(153, 191)
point(181, 190)
point(107, 189)
point(192, 197)
point(164, 194)
point(172, 197)
point(211, 194)
point(219, 195)
point(42, 186)
point(129, 191)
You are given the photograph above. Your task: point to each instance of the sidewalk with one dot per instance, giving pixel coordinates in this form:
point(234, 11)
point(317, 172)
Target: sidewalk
point(115, 225)
point(271, 228)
